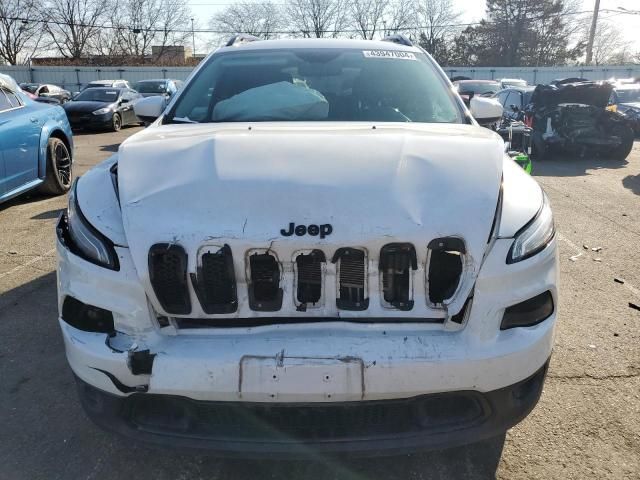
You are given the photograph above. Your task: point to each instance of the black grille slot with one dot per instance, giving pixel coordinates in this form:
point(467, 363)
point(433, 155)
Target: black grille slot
point(215, 283)
point(168, 275)
point(445, 268)
point(396, 262)
point(309, 278)
point(351, 283)
point(265, 294)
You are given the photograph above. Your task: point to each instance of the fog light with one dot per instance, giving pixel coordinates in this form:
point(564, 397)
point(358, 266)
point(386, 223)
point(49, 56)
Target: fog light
point(528, 313)
point(87, 317)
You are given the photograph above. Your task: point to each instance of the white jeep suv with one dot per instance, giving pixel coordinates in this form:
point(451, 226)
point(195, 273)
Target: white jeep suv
point(315, 246)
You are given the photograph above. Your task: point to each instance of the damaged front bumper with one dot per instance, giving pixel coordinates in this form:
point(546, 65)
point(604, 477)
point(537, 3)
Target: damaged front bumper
point(383, 427)
point(406, 385)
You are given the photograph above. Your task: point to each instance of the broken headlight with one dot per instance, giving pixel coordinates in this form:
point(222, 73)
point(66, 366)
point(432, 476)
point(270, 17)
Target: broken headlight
point(535, 235)
point(86, 241)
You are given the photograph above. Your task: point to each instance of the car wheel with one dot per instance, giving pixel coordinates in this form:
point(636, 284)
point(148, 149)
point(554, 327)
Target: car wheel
point(59, 173)
point(116, 122)
point(624, 149)
point(539, 150)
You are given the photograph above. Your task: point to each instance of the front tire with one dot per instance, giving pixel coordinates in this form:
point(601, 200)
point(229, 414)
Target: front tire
point(59, 171)
point(540, 150)
point(116, 123)
point(623, 150)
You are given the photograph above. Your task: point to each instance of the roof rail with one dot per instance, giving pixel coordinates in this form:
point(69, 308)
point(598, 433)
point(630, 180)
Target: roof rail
point(240, 39)
point(399, 39)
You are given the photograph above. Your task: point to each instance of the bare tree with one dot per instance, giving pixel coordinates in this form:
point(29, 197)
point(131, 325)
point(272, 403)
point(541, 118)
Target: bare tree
point(19, 38)
point(260, 19)
point(73, 23)
point(437, 22)
point(609, 44)
point(146, 23)
point(368, 16)
point(400, 16)
point(317, 18)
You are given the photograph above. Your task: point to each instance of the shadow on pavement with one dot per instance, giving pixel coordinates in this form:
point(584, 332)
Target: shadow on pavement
point(632, 182)
point(567, 166)
point(23, 199)
point(46, 435)
point(48, 215)
point(110, 148)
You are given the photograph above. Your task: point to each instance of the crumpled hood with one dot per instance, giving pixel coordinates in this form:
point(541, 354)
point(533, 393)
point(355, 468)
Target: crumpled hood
point(587, 93)
point(242, 185)
point(80, 106)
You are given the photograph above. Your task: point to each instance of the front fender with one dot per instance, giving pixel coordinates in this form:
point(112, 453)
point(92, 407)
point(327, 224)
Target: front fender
point(97, 198)
point(54, 121)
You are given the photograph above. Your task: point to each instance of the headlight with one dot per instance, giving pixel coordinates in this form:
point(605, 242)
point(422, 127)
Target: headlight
point(535, 235)
point(102, 111)
point(86, 241)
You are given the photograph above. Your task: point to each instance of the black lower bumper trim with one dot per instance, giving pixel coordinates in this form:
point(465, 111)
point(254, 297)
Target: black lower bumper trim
point(383, 427)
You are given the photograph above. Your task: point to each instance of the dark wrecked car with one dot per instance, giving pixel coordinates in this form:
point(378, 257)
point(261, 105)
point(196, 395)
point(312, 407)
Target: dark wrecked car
point(573, 118)
point(626, 99)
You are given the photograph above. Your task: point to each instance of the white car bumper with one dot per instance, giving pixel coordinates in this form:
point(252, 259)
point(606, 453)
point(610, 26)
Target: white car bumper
point(326, 364)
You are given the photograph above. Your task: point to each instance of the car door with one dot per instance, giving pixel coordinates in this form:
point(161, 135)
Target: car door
point(512, 102)
point(20, 137)
point(126, 108)
point(55, 92)
point(501, 96)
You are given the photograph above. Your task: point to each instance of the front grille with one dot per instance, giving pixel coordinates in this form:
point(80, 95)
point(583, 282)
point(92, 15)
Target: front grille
point(265, 294)
point(309, 278)
point(445, 268)
point(305, 422)
point(215, 282)
point(396, 262)
point(351, 279)
point(168, 276)
point(215, 286)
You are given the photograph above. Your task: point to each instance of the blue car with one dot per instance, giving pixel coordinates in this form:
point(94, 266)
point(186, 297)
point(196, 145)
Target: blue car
point(36, 144)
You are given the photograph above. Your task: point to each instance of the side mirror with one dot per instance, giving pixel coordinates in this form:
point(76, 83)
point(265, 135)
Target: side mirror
point(486, 111)
point(514, 108)
point(150, 108)
point(124, 100)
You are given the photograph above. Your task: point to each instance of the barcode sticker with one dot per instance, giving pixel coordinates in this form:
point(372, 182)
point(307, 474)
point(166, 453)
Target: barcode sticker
point(388, 54)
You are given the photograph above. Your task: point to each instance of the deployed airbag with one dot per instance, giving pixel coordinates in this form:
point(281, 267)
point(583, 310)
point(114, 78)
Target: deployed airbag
point(277, 101)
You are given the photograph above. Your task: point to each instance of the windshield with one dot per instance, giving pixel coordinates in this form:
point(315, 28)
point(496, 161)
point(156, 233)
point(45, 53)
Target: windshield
point(627, 96)
point(150, 87)
point(29, 87)
point(478, 88)
point(317, 85)
point(98, 95)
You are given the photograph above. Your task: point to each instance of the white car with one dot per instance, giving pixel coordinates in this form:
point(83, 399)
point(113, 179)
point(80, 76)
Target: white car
point(314, 247)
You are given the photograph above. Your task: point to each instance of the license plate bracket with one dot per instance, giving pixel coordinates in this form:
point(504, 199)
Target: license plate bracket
point(300, 379)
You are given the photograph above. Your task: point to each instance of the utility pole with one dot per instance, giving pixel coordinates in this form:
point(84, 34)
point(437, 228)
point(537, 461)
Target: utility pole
point(592, 32)
point(193, 39)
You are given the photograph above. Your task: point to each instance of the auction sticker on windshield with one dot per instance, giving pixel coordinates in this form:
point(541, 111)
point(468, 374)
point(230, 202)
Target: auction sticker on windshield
point(388, 54)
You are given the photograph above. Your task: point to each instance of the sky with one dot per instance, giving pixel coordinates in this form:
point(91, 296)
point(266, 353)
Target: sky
point(472, 10)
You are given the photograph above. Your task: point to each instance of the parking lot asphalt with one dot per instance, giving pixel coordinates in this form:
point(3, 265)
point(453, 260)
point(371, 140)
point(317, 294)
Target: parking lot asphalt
point(587, 424)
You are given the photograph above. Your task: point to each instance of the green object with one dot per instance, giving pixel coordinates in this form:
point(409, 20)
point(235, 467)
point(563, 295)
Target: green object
point(524, 161)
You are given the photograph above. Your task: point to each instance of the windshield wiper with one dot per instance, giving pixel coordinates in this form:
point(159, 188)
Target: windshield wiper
point(182, 120)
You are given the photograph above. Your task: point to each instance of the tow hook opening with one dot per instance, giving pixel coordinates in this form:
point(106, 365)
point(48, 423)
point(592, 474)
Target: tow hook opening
point(141, 362)
point(445, 264)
